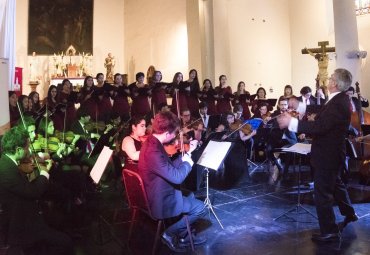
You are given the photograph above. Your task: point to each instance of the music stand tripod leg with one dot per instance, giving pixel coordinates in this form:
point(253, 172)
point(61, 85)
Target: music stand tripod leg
point(207, 201)
point(298, 205)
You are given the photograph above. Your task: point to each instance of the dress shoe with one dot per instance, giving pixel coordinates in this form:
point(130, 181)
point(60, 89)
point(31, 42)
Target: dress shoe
point(171, 243)
point(325, 238)
point(197, 240)
point(347, 219)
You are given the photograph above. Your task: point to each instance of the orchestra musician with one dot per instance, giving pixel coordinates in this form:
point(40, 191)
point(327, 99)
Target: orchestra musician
point(235, 164)
point(27, 228)
point(328, 154)
point(356, 104)
point(132, 143)
point(277, 139)
point(162, 178)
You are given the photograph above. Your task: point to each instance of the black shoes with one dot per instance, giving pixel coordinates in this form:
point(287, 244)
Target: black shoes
point(326, 238)
point(347, 219)
point(172, 243)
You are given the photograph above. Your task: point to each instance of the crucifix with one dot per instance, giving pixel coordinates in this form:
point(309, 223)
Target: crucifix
point(322, 58)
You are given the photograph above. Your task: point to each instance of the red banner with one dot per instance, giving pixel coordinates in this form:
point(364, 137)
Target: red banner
point(18, 79)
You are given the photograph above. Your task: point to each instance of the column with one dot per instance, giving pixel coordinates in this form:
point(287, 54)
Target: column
point(346, 37)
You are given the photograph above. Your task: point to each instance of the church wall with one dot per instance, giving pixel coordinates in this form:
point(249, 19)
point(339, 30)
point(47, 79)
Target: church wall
point(108, 36)
point(310, 22)
point(252, 44)
point(156, 34)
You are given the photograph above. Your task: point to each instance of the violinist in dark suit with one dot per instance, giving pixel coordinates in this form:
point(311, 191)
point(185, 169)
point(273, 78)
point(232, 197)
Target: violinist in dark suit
point(329, 130)
point(25, 225)
point(279, 138)
point(162, 178)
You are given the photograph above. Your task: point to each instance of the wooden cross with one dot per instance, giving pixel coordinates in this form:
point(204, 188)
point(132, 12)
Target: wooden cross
point(323, 49)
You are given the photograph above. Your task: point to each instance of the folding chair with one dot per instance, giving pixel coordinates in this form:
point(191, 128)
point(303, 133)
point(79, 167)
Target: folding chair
point(137, 199)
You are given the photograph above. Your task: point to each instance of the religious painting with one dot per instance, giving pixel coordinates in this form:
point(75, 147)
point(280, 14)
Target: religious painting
point(54, 26)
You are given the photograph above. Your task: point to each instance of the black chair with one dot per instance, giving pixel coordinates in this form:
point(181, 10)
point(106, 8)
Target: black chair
point(138, 201)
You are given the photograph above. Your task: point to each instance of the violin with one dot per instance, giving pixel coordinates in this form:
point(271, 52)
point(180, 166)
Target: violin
point(68, 136)
point(238, 125)
point(51, 144)
point(95, 126)
point(174, 146)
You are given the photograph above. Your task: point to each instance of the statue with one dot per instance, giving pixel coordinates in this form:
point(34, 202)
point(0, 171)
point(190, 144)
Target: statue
point(34, 65)
point(322, 63)
point(322, 58)
point(109, 65)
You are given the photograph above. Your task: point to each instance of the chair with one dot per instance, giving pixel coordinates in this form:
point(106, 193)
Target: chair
point(137, 199)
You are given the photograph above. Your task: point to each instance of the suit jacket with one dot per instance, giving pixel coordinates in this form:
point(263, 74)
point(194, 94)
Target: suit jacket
point(328, 132)
point(18, 198)
point(162, 178)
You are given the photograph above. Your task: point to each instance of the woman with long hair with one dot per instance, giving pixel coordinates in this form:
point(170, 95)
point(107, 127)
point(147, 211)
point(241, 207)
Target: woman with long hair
point(224, 95)
point(176, 86)
point(192, 89)
point(242, 97)
point(207, 95)
point(131, 144)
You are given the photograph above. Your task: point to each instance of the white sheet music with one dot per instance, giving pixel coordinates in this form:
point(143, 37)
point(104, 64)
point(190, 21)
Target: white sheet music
point(301, 148)
point(100, 164)
point(214, 154)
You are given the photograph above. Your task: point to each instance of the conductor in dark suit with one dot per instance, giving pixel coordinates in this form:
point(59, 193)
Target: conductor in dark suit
point(162, 178)
point(26, 228)
point(329, 130)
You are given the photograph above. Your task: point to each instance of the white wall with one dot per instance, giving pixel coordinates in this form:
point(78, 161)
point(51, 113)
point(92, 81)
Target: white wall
point(252, 43)
point(108, 37)
point(156, 34)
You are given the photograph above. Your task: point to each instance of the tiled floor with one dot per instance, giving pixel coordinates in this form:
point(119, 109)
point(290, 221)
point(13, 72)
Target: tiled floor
point(247, 212)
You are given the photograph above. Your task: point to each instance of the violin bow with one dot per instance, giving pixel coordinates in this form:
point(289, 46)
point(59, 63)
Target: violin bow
point(29, 138)
point(178, 116)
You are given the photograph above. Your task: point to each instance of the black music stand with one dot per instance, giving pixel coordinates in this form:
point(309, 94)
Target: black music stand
point(211, 158)
point(301, 149)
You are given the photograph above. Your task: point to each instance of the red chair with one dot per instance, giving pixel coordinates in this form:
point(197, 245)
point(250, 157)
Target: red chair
point(137, 199)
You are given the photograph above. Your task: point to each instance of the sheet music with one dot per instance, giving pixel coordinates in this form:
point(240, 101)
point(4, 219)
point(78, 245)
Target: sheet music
point(100, 165)
point(301, 148)
point(214, 154)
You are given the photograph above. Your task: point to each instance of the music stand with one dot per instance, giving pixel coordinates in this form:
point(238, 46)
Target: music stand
point(301, 149)
point(211, 158)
